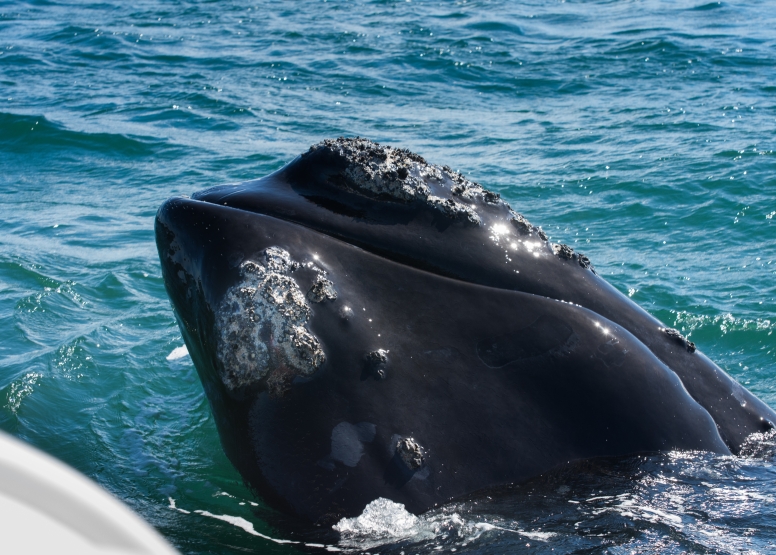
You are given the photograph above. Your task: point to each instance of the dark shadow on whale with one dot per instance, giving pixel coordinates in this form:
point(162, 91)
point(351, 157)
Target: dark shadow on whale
point(368, 325)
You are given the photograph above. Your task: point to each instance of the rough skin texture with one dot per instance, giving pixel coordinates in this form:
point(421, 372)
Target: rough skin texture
point(375, 362)
point(410, 453)
point(677, 336)
point(322, 290)
point(262, 326)
point(397, 174)
point(563, 251)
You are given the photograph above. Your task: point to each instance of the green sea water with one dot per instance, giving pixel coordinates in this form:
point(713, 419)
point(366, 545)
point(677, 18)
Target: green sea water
point(639, 132)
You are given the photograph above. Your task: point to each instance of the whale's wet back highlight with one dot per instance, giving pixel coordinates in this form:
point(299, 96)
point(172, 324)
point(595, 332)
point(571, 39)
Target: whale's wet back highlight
point(366, 324)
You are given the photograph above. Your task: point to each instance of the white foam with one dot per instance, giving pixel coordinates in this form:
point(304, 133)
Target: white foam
point(240, 522)
point(673, 519)
point(247, 526)
point(178, 352)
point(381, 518)
point(535, 535)
point(172, 506)
point(630, 507)
point(384, 521)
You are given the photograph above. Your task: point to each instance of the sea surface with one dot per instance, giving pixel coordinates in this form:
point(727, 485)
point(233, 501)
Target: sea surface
point(640, 132)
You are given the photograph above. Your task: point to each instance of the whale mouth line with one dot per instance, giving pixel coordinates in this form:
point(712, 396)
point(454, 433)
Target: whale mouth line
point(416, 263)
point(391, 255)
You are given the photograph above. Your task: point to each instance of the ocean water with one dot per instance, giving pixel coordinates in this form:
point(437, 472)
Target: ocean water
point(639, 132)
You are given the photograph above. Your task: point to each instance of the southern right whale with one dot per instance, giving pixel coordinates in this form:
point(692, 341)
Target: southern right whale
point(366, 324)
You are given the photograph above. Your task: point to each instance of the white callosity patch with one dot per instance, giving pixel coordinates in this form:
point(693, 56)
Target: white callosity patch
point(677, 336)
point(262, 326)
point(454, 209)
point(322, 290)
point(278, 260)
point(524, 226)
point(563, 251)
point(398, 174)
point(470, 190)
point(410, 452)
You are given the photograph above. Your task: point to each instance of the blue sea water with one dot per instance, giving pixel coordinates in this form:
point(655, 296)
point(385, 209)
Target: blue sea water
point(640, 132)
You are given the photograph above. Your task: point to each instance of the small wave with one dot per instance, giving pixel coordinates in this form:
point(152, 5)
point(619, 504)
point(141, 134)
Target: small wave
point(707, 7)
point(689, 322)
point(496, 27)
point(20, 389)
point(760, 446)
point(30, 133)
point(570, 508)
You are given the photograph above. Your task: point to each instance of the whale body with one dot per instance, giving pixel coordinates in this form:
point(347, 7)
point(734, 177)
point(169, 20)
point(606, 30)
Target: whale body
point(366, 324)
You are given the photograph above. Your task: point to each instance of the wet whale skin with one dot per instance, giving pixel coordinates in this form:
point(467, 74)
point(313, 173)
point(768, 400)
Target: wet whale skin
point(366, 324)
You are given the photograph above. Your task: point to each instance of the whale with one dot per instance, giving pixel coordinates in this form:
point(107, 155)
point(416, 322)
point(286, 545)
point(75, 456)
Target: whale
point(367, 324)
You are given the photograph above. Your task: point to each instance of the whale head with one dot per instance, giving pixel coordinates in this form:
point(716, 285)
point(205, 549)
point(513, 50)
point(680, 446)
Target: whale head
point(366, 324)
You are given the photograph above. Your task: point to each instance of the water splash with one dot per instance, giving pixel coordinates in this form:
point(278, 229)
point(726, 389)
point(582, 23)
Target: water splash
point(178, 353)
